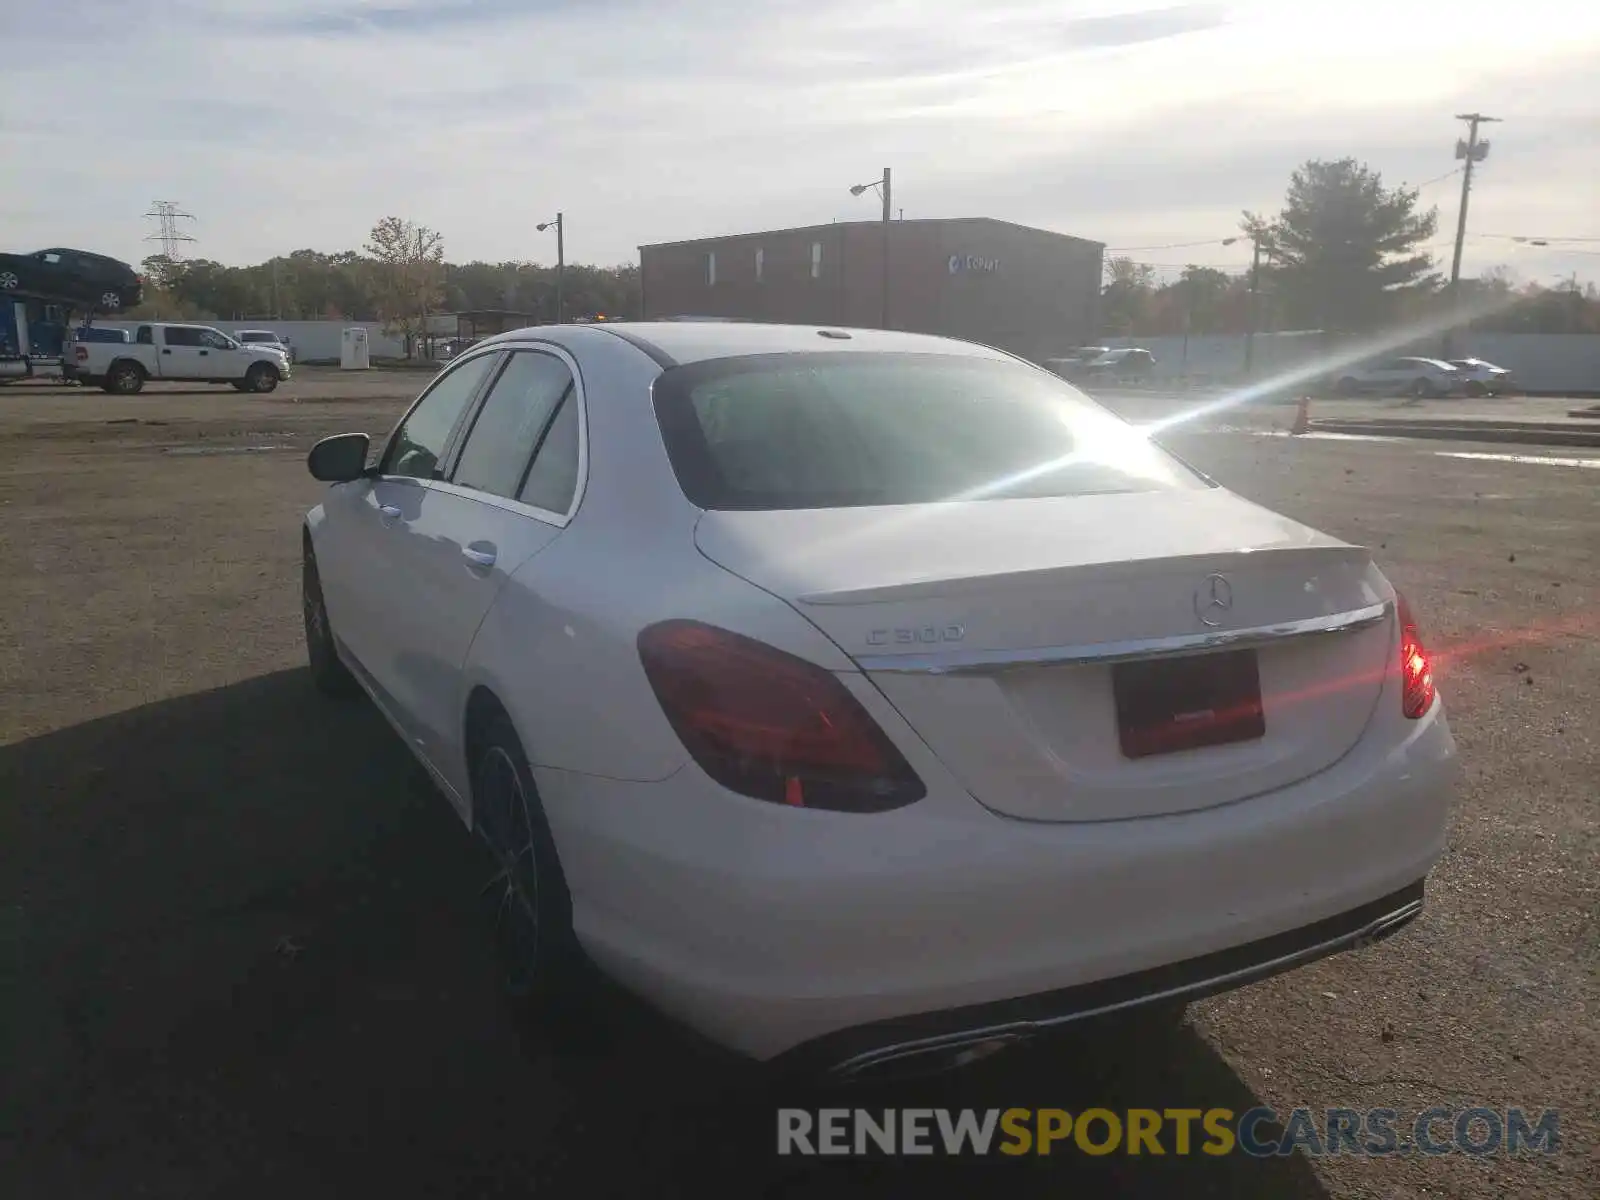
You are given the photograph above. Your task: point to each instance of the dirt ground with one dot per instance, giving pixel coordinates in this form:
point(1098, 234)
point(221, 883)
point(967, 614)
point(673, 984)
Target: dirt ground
point(244, 954)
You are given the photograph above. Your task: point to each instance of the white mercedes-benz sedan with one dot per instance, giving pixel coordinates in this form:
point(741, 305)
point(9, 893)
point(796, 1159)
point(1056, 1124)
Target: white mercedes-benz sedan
point(871, 701)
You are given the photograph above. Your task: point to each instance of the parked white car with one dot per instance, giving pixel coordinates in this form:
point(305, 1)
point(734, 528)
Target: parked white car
point(867, 700)
point(1411, 376)
point(1480, 378)
point(266, 337)
point(178, 353)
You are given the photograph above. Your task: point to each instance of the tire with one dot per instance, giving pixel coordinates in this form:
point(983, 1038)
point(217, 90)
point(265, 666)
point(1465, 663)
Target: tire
point(542, 964)
point(1348, 386)
point(124, 379)
point(260, 378)
point(1476, 388)
point(1420, 388)
point(331, 677)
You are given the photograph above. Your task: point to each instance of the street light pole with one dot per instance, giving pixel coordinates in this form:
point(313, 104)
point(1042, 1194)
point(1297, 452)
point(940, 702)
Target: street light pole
point(887, 211)
point(561, 264)
point(886, 185)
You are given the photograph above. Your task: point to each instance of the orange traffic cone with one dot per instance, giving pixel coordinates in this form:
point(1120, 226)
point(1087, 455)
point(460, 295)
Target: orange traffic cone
point(1302, 417)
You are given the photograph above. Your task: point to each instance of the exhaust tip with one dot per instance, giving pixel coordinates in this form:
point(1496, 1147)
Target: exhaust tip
point(923, 1062)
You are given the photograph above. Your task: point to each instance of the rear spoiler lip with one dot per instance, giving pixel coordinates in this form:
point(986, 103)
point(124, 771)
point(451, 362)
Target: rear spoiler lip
point(988, 662)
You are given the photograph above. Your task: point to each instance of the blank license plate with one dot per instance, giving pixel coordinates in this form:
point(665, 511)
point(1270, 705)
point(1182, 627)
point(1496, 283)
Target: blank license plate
point(1167, 705)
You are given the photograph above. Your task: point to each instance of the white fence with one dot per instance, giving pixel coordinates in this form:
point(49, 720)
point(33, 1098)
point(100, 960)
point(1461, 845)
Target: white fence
point(1552, 363)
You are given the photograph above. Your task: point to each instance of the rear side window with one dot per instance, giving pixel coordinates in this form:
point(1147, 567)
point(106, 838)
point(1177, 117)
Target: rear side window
point(553, 479)
point(184, 335)
point(840, 430)
point(512, 424)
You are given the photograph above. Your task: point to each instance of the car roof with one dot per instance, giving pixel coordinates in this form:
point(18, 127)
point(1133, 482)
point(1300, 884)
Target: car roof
point(675, 343)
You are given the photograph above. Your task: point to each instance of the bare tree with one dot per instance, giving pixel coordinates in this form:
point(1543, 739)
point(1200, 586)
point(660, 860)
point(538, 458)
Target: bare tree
point(409, 267)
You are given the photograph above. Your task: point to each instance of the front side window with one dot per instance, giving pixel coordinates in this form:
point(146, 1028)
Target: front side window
point(512, 424)
point(214, 340)
point(828, 430)
point(417, 444)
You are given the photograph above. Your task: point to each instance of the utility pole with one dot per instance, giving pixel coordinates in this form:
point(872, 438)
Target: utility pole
point(1473, 151)
point(1255, 306)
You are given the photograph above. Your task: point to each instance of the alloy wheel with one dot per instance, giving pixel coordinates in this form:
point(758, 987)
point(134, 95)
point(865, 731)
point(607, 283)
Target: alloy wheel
point(514, 888)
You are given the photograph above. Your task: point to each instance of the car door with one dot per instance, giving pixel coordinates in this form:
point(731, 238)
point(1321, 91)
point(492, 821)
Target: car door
point(1397, 373)
point(179, 357)
point(221, 356)
point(361, 546)
point(511, 488)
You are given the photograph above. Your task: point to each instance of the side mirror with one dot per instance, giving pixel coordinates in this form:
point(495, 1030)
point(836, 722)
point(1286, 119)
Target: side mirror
point(340, 458)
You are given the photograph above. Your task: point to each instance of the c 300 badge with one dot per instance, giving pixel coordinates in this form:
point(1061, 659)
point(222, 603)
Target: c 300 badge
point(923, 635)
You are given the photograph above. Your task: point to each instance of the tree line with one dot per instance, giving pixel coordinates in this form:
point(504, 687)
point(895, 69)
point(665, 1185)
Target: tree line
point(1345, 254)
point(398, 278)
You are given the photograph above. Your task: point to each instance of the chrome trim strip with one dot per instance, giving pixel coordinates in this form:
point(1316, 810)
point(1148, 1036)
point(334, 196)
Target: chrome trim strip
point(980, 662)
point(1018, 1030)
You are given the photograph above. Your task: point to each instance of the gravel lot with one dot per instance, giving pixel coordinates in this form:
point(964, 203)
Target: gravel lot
point(243, 948)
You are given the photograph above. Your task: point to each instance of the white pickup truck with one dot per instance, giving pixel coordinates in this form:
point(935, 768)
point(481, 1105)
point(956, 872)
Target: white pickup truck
point(187, 353)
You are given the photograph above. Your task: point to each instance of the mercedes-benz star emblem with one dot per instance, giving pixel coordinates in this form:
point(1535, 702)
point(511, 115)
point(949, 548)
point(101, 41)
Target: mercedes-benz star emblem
point(1212, 600)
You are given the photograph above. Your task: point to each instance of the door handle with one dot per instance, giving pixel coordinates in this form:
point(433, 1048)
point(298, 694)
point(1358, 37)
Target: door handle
point(478, 558)
point(203, 353)
point(166, 351)
point(388, 510)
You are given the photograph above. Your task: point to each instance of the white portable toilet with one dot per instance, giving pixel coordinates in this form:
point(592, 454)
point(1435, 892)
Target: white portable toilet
point(355, 354)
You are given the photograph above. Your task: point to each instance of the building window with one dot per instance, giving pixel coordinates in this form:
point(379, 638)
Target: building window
point(816, 260)
point(761, 262)
point(711, 268)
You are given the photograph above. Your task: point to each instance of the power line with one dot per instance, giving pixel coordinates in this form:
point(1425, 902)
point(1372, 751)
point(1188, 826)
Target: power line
point(166, 214)
point(1516, 237)
point(1436, 179)
point(1171, 246)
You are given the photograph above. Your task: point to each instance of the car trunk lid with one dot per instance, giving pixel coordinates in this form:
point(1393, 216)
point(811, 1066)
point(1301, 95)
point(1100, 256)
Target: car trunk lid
point(1095, 657)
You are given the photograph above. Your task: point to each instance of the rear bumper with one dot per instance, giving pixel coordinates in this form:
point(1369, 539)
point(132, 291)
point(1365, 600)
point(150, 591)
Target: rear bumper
point(773, 930)
point(860, 1051)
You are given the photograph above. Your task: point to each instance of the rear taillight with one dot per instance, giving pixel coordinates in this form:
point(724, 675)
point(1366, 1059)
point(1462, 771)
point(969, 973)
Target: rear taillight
point(81, 354)
point(1416, 668)
point(766, 724)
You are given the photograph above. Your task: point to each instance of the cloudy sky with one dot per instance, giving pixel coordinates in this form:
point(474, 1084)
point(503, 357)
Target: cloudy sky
point(283, 124)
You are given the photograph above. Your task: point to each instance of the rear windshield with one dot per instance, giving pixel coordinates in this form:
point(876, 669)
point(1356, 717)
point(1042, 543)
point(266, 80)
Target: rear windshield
point(844, 430)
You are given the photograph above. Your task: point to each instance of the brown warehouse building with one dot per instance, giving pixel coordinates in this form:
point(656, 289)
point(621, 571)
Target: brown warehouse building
point(1029, 291)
